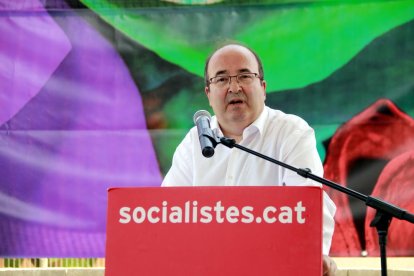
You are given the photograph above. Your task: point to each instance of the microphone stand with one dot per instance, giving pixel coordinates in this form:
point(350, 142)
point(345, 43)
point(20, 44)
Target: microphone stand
point(384, 210)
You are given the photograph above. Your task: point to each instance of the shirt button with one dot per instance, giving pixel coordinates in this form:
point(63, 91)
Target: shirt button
point(364, 253)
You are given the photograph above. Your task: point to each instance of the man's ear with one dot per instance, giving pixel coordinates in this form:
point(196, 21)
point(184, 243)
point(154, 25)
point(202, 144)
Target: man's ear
point(264, 88)
point(207, 91)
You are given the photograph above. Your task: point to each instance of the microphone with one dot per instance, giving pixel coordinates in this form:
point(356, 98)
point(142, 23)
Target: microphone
point(202, 121)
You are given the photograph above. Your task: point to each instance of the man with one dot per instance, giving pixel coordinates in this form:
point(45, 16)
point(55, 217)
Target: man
point(236, 91)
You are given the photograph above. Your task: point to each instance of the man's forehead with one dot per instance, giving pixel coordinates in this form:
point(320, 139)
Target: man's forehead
point(243, 57)
point(231, 50)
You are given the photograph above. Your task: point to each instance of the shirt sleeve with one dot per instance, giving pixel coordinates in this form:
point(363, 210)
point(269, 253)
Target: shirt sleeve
point(302, 153)
point(329, 209)
point(181, 171)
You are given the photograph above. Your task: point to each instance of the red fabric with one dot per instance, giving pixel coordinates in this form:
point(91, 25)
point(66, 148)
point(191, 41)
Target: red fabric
point(382, 131)
point(396, 185)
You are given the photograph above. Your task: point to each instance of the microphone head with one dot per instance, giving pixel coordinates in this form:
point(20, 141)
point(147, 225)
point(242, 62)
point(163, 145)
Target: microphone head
point(208, 152)
point(201, 113)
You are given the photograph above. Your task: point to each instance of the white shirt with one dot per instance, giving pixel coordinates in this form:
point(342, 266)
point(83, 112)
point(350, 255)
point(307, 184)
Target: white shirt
point(284, 137)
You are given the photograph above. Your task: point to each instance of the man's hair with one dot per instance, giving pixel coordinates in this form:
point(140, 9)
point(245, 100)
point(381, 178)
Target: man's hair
point(259, 61)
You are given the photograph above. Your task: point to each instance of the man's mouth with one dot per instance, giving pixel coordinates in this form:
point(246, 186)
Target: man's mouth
point(235, 102)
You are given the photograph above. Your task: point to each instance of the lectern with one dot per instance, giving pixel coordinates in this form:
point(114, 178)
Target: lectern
point(216, 231)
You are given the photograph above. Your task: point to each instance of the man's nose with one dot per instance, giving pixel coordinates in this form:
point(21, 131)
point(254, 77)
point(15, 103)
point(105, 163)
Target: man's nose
point(234, 85)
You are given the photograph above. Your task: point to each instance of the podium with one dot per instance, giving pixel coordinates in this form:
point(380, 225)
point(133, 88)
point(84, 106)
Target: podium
point(216, 231)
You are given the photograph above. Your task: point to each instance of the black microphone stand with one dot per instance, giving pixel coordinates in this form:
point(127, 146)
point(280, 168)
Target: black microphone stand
point(384, 211)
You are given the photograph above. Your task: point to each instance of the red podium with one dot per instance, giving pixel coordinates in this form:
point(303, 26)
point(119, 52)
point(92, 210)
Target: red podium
point(216, 231)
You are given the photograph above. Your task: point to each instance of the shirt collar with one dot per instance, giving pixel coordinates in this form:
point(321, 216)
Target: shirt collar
point(259, 124)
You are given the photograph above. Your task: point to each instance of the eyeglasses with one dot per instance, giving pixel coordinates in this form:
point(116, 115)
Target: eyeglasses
point(242, 78)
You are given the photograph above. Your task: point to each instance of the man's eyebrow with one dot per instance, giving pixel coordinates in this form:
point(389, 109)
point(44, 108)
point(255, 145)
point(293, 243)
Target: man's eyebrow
point(221, 72)
point(244, 70)
point(225, 72)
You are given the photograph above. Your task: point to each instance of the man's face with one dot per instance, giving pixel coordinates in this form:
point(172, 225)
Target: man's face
point(236, 105)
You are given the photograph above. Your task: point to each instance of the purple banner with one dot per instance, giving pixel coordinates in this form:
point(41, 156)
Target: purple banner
point(71, 125)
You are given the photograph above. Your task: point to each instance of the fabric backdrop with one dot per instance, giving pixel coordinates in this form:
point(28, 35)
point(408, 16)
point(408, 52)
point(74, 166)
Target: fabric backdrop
point(98, 93)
